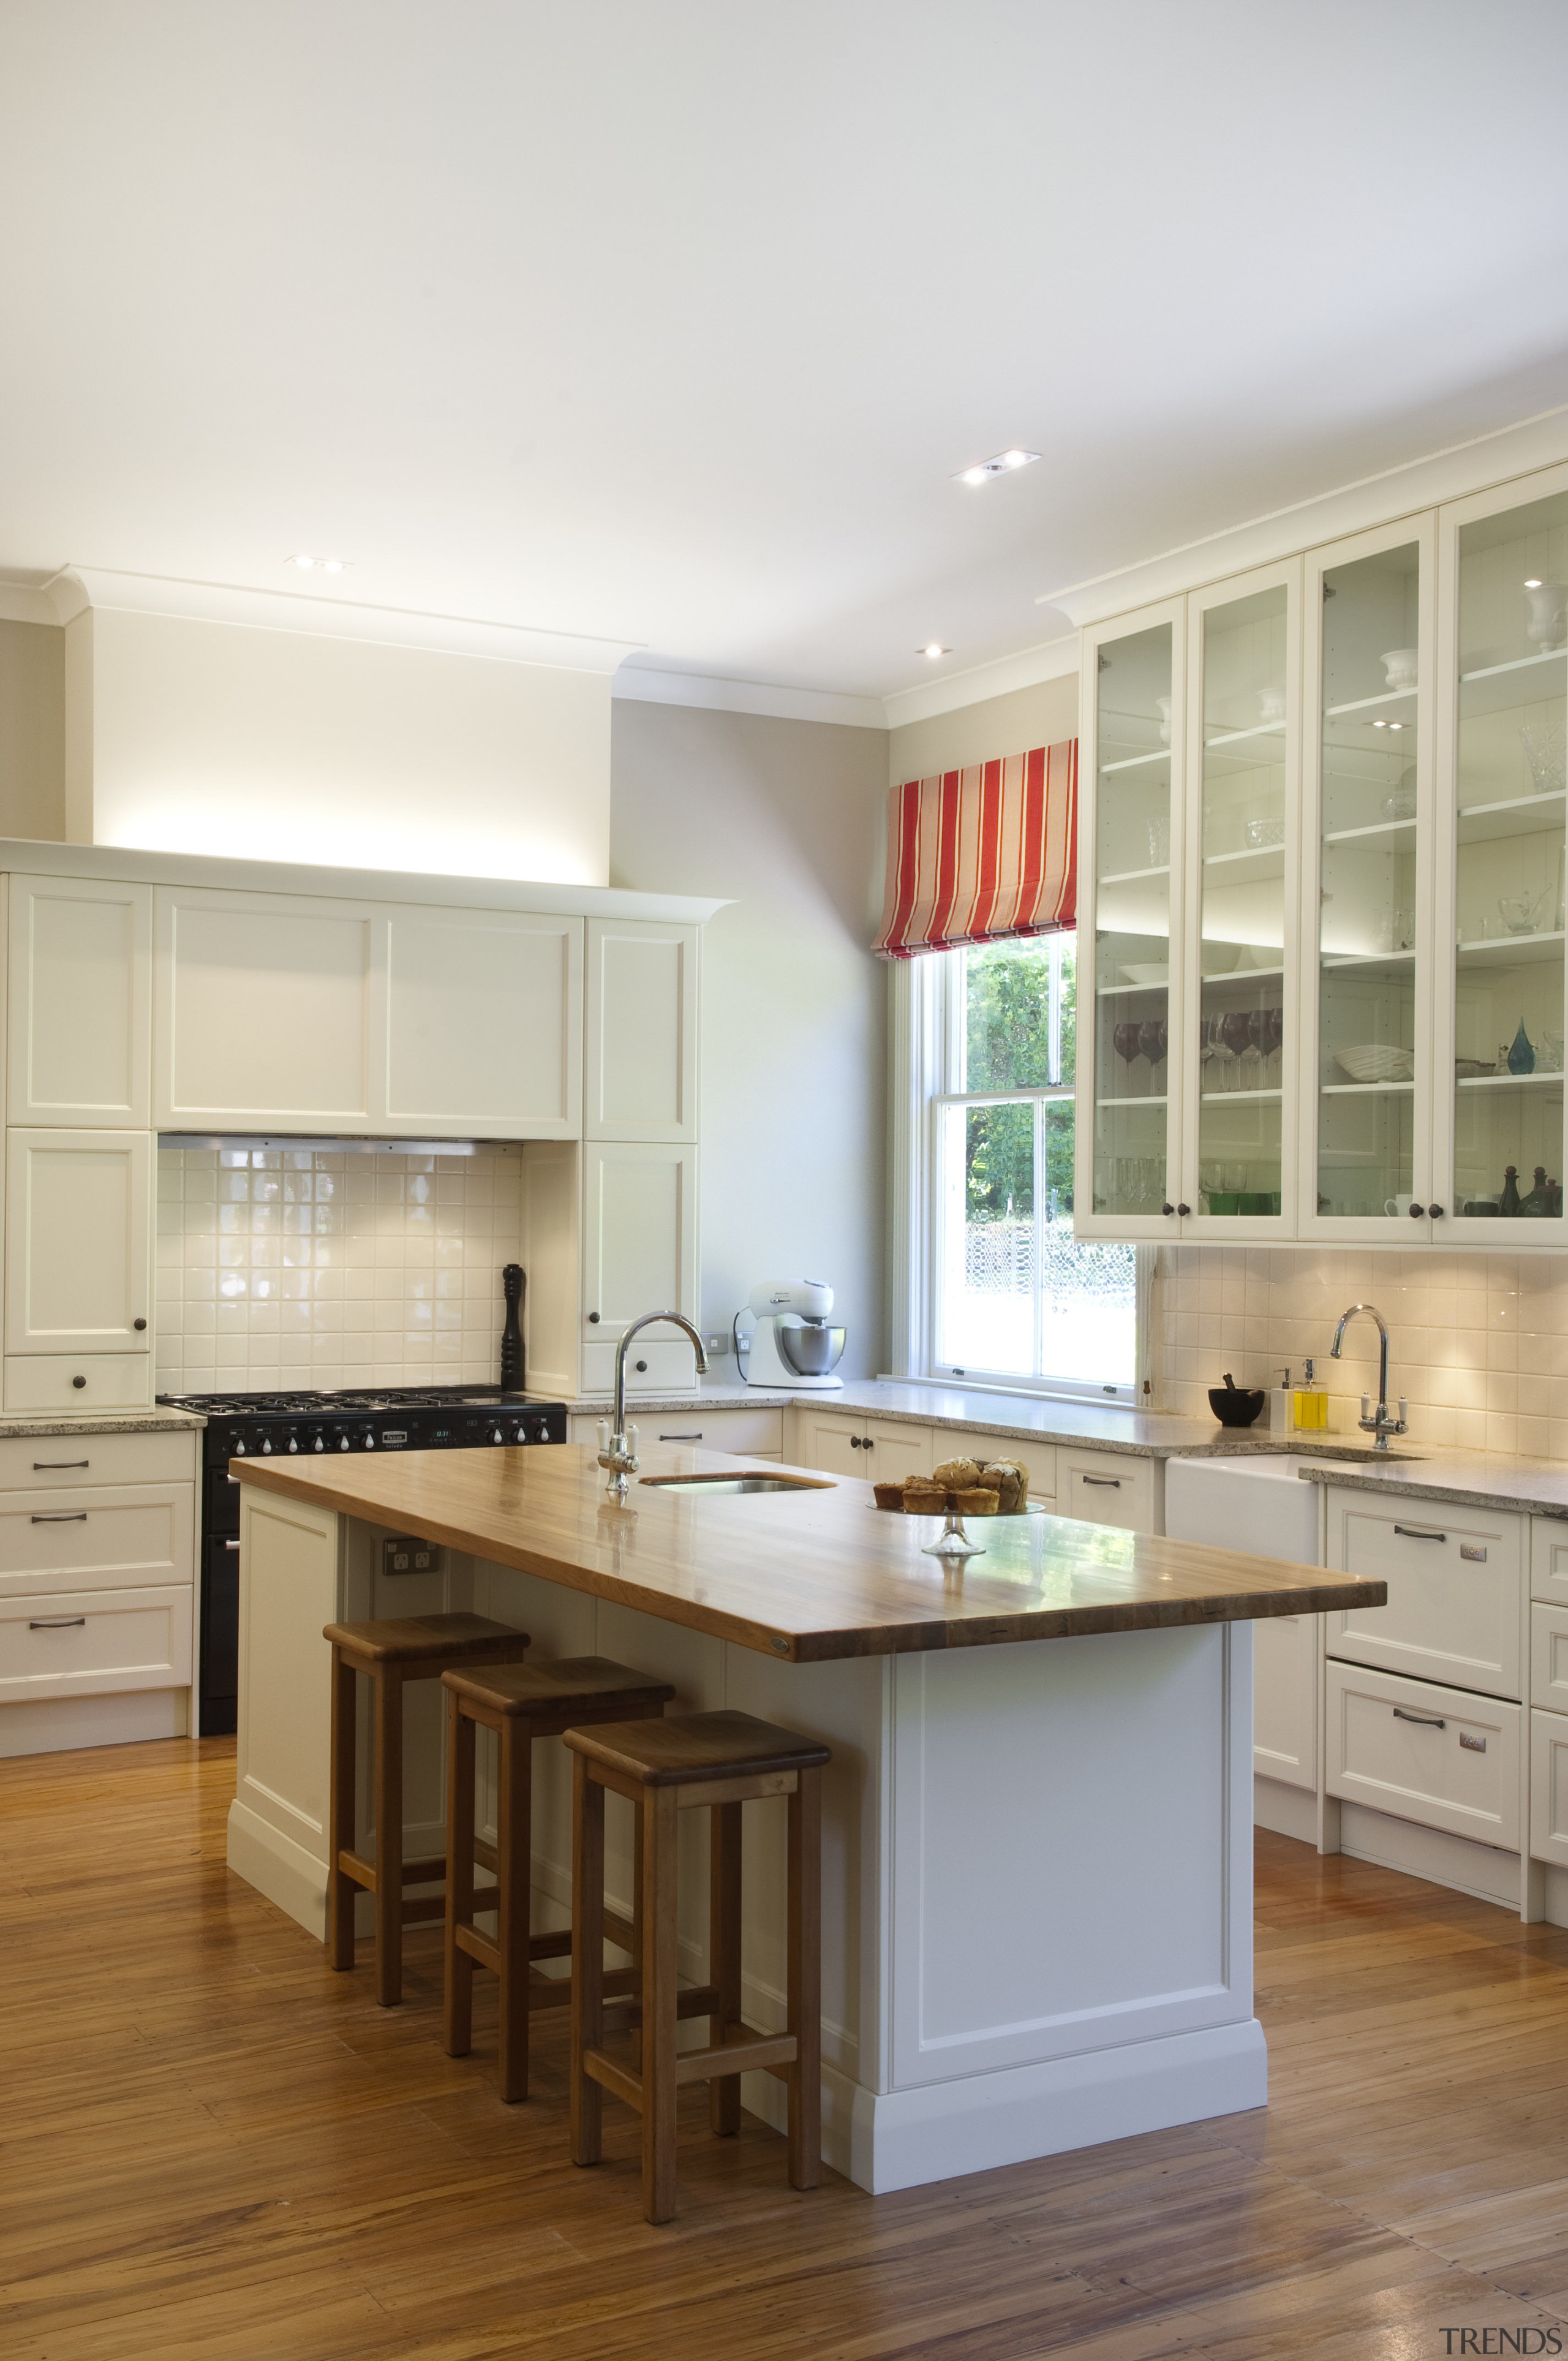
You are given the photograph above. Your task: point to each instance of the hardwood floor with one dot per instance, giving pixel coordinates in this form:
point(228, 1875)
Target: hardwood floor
point(210, 2145)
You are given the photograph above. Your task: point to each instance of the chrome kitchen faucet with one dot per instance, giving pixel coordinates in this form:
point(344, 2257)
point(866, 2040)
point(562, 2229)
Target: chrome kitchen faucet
point(617, 1453)
point(1382, 1426)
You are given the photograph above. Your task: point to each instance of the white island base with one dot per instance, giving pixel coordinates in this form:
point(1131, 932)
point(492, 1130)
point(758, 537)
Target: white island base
point(1036, 1857)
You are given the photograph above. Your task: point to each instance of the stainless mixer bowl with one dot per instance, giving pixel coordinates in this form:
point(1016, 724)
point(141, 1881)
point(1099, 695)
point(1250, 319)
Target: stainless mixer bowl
point(812, 1349)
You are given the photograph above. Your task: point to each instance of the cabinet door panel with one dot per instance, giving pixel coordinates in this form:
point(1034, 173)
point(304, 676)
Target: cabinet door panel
point(642, 1031)
point(81, 1003)
point(92, 1643)
point(78, 1242)
point(263, 1009)
point(1549, 1787)
point(639, 1238)
point(1454, 1578)
point(1436, 1755)
point(1285, 1700)
point(484, 1023)
point(1105, 1489)
point(845, 1443)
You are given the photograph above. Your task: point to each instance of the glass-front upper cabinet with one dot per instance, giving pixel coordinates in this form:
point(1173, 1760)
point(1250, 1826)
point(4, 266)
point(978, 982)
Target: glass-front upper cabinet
point(1503, 644)
point(1130, 771)
point(1367, 838)
point(1238, 1072)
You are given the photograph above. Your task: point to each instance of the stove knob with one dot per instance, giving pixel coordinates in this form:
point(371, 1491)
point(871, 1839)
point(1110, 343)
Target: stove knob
point(293, 1445)
point(267, 1447)
point(318, 1445)
point(497, 1436)
point(343, 1441)
point(239, 1451)
point(369, 1442)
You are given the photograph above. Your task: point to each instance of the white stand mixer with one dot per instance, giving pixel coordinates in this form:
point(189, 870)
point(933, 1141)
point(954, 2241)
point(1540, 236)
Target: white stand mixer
point(793, 1349)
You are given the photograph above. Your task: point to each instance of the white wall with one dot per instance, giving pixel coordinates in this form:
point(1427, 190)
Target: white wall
point(782, 817)
point(220, 738)
point(32, 730)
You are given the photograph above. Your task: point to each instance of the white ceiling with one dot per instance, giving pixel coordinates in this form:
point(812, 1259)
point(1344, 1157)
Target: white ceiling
point(672, 324)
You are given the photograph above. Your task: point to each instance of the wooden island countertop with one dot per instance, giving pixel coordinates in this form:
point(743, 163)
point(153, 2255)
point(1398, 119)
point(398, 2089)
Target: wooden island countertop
point(803, 1576)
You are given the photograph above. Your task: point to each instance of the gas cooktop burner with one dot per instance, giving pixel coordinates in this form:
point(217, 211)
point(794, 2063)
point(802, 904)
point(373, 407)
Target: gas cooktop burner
point(325, 1404)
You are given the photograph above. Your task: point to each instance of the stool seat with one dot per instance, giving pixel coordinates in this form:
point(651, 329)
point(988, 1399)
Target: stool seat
point(425, 1639)
point(520, 1702)
point(545, 1692)
point(694, 1748)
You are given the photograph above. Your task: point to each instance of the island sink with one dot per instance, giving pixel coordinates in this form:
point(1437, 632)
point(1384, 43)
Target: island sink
point(1036, 1825)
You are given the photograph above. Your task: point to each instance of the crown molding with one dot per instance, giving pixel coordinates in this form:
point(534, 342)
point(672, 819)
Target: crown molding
point(1452, 473)
point(21, 603)
point(77, 588)
point(1052, 660)
point(708, 692)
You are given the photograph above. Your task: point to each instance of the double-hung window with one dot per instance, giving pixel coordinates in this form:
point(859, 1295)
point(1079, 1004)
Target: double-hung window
point(1012, 1298)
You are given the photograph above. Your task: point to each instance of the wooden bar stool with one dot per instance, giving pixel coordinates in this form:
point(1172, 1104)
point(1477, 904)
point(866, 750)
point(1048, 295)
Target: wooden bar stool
point(720, 1760)
point(520, 1703)
point(390, 1651)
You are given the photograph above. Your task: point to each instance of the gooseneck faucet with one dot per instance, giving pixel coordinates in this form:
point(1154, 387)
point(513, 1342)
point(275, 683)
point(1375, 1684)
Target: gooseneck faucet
point(618, 1449)
point(1382, 1426)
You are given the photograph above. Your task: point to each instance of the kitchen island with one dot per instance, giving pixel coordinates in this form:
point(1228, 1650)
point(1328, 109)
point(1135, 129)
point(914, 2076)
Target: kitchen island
point(1036, 1825)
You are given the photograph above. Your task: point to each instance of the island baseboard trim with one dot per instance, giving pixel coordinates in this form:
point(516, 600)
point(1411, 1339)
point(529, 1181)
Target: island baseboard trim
point(284, 1871)
point(903, 2139)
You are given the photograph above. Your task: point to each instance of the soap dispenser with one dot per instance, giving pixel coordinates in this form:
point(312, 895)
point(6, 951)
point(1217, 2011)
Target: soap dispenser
point(1312, 1403)
point(1280, 1407)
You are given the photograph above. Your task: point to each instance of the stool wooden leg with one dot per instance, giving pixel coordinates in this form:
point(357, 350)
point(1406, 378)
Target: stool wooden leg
point(804, 1979)
point(660, 1958)
point(389, 1835)
point(637, 1925)
point(341, 1890)
point(587, 1959)
point(724, 1955)
point(459, 1981)
point(514, 1856)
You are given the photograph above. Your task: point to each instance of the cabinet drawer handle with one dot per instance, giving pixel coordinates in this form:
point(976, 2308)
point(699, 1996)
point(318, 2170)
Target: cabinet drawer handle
point(1111, 1483)
point(68, 1517)
point(1415, 1534)
point(41, 1464)
point(682, 1438)
point(57, 1623)
point(1426, 1720)
point(231, 1545)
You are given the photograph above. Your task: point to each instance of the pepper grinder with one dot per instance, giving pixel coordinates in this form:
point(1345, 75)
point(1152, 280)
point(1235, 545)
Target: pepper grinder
point(511, 1333)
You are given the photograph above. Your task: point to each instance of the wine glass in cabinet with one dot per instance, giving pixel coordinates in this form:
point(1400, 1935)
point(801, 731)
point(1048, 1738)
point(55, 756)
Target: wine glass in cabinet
point(1503, 636)
point(1366, 1081)
point(1129, 907)
point(1242, 894)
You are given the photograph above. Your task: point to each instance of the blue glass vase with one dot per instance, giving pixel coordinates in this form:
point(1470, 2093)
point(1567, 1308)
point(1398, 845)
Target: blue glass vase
point(1521, 1057)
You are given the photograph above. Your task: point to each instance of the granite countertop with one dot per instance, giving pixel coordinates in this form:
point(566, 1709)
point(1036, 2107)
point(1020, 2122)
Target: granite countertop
point(807, 1574)
point(102, 1422)
point(1474, 1479)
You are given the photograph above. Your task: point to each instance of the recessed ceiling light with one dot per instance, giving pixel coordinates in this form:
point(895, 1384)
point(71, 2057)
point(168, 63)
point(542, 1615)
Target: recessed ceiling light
point(1534, 583)
point(934, 648)
point(1003, 464)
point(1396, 725)
point(1380, 725)
point(323, 565)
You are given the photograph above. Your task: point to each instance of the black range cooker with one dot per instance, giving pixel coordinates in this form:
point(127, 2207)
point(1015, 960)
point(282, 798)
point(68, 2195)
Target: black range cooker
point(309, 1426)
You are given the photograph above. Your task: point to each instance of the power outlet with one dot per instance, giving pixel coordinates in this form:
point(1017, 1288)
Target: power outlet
point(406, 1553)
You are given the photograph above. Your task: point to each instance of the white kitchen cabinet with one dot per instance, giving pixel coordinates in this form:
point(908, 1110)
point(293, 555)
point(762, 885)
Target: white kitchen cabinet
point(79, 1003)
point(95, 1642)
point(78, 1242)
point(848, 1443)
point(1549, 1787)
point(1285, 1700)
point(1108, 1488)
point(484, 1023)
point(967, 1442)
point(265, 1012)
point(1549, 1657)
point(1455, 1579)
point(1549, 1560)
point(641, 1064)
point(108, 1537)
point(748, 1433)
point(639, 1254)
point(1441, 1756)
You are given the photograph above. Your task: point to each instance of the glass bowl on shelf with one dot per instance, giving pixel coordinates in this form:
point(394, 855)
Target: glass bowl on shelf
point(1546, 751)
point(1263, 833)
point(1376, 1061)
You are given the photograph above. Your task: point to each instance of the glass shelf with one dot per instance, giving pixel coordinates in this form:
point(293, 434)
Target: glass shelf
point(1515, 664)
point(1510, 1082)
point(1514, 951)
point(1150, 1100)
point(1135, 762)
point(1248, 1097)
point(1364, 1090)
point(1372, 828)
point(1133, 876)
point(1366, 704)
point(1262, 861)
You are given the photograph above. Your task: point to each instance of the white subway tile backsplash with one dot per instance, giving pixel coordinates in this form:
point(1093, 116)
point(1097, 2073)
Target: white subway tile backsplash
point(319, 1269)
point(1479, 1342)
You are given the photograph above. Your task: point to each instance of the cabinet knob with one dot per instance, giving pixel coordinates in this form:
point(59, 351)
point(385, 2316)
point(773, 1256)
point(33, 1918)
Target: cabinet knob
point(1167, 1209)
point(593, 1319)
point(854, 1441)
point(1418, 1213)
point(138, 1324)
point(641, 1368)
point(79, 1382)
point(1436, 1213)
point(1184, 1209)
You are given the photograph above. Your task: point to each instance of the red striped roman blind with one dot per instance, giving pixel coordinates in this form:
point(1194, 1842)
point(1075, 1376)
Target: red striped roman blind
point(976, 854)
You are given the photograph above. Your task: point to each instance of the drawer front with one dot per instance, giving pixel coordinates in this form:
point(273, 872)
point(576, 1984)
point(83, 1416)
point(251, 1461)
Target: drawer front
point(108, 1382)
point(1105, 1489)
point(1549, 1559)
point(964, 1442)
point(125, 1538)
point(1549, 1787)
point(757, 1433)
point(1549, 1657)
point(672, 1368)
point(1285, 1700)
point(1454, 1579)
point(94, 1643)
point(1441, 1756)
point(48, 1462)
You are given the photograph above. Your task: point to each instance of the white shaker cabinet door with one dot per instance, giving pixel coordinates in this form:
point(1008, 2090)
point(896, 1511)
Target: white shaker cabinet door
point(484, 1024)
point(639, 1254)
point(78, 1241)
point(264, 1008)
point(641, 1080)
point(79, 1030)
